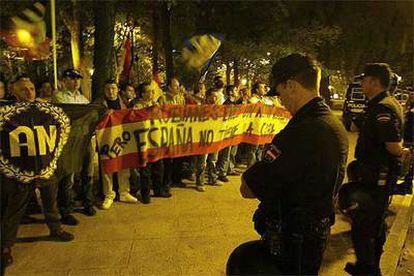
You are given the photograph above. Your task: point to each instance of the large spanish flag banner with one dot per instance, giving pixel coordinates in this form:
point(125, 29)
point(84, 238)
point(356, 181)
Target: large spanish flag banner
point(132, 138)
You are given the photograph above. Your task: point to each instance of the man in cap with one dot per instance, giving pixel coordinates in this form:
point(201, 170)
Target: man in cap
point(378, 152)
point(296, 180)
point(72, 95)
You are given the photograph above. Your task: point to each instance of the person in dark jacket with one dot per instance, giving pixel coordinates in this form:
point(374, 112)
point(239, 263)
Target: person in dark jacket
point(378, 152)
point(15, 195)
point(296, 180)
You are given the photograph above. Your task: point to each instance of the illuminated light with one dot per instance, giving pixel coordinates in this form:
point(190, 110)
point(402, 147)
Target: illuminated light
point(91, 71)
point(243, 81)
point(335, 96)
point(25, 38)
point(264, 61)
point(268, 53)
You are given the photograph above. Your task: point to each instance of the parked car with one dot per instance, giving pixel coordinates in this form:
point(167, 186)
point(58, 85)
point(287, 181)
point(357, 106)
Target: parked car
point(337, 101)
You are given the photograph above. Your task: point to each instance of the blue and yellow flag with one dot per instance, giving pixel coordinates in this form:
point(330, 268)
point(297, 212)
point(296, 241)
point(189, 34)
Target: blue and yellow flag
point(199, 50)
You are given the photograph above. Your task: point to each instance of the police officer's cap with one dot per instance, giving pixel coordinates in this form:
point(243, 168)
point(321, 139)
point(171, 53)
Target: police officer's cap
point(289, 67)
point(72, 73)
point(382, 71)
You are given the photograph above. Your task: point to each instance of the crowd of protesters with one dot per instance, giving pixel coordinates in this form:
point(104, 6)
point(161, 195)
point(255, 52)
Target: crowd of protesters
point(58, 198)
point(132, 185)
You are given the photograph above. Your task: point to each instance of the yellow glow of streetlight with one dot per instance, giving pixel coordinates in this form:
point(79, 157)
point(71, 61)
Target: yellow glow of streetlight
point(25, 38)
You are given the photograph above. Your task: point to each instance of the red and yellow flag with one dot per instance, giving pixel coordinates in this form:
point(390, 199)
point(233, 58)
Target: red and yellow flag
point(132, 138)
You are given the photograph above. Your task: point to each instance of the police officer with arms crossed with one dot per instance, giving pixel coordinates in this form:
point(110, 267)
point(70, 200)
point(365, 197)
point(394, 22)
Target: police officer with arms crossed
point(378, 153)
point(296, 180)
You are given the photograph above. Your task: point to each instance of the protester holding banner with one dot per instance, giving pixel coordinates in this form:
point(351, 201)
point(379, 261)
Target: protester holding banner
point(215, 95)
point(259, 91)
point(233, 98)
point(113, 101)
point(199, 161)
point(173, 166)
point(15, 192)
point(152, 175)
point(128, 94)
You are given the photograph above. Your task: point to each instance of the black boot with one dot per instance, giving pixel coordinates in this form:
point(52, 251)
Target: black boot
point(359, 269)
point(61, 235)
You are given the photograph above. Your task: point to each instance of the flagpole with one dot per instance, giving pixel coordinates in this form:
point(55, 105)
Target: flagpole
point(53, 19)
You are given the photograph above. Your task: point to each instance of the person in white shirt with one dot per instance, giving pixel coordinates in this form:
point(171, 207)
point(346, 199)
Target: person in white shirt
point(71, 93)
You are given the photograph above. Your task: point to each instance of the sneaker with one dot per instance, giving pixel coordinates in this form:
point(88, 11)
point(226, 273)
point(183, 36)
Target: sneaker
point(6, 257)
point(69, 220)
point(89, 211)
point(61, 235)
point(107, 203)
point(216, 183)
point(200, 188)
point(128, 198)
point(223, 178)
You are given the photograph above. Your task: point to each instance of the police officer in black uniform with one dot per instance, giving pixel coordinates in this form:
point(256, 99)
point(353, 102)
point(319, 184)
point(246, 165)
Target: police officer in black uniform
point(378, 152)
point(296, 180)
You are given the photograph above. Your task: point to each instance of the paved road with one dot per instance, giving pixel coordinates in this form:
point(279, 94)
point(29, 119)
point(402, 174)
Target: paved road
point(191, 233)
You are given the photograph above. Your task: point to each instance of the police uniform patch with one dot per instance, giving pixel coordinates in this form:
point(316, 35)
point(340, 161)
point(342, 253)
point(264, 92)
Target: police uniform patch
point(271, 154)
point(383, 118)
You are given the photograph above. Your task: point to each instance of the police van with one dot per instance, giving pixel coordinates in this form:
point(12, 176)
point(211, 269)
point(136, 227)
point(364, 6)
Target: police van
point(355, 104)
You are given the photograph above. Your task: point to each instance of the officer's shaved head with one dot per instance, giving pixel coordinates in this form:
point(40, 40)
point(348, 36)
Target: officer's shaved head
point(300, 67)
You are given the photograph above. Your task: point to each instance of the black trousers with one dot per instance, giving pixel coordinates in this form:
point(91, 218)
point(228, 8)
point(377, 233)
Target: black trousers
point(66, 194)
point(14, 199)
point(173, 171)
point(153, 176)
point(254, 258)
point(368, 237)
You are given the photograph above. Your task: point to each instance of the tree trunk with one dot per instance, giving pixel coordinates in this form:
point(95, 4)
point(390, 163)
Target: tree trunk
point(155, 38)
point(166, 39)
point(70, 19)
point(228, 73)
point(236, 71)
point(104, 39)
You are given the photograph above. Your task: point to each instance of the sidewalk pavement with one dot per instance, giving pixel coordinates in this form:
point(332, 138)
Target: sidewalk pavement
point(191, 233)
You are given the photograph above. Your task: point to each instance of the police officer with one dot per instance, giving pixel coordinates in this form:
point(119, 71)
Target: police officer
point(378, 152)
point(296, 179)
